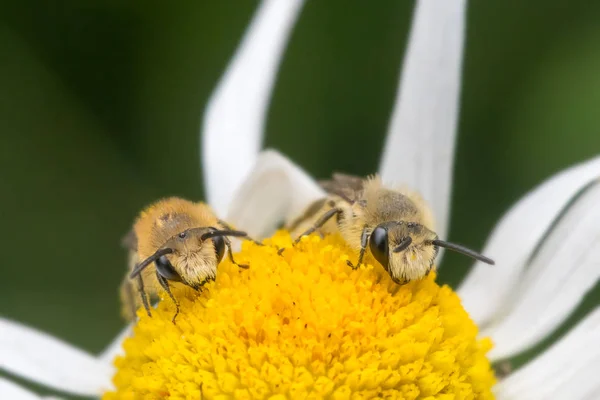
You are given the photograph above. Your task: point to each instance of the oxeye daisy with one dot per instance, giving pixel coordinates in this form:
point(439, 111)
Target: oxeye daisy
point(305, 325)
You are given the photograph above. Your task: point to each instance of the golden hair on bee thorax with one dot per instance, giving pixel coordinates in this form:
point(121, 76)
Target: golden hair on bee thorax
point(395, 225)
point(174, 241)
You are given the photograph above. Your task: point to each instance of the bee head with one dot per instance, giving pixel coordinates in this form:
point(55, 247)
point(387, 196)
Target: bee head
point(190, 257)
point(390, 239)
point(407, 250)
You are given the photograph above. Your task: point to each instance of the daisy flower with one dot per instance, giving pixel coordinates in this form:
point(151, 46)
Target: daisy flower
point(305, 324)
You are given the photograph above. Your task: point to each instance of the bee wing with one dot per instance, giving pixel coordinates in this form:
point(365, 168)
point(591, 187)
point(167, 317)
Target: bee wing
point(129, 241)
point(346, 186)
point(353, 182)
point(128, 289)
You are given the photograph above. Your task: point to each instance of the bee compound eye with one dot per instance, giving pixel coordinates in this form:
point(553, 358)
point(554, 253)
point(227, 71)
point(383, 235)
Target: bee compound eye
point(219, 245)
point(166, 270)
point(378, 243)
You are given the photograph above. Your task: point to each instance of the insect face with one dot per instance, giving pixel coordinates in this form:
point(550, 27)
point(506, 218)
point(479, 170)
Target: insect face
point(191, 256)
point(404, 249)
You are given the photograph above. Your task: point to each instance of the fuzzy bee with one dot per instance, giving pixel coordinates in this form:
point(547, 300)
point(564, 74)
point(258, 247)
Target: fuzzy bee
point(173, 240)
point(395, 225)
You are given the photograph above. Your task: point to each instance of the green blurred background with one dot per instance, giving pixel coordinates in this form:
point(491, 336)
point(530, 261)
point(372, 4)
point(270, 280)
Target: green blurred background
point(101, 101)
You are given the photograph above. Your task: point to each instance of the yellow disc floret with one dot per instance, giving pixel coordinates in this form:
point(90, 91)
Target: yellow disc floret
point(305, 325)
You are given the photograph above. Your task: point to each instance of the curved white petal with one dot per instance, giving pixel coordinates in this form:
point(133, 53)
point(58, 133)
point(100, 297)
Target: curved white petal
point(568, 370)
point(563, 270)
point(487, 288)
point(276, 189)
point(12, 391)
point(44, 359)
point(235, 115)
point(115, 348)
point(419, 148)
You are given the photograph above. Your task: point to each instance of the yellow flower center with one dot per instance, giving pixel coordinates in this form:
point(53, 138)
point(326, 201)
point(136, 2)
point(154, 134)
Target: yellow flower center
point(305, 325)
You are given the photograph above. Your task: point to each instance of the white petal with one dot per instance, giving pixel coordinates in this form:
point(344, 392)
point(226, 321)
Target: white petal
point(568, 370)
point(563, 270)
point(116, 347)
point(235, 115)
point(12, 391)
point(486, 289)
point(419, 148)
point(275, 190)
point(44, 359)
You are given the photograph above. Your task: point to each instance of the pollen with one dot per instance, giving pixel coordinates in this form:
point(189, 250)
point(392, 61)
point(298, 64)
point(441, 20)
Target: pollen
point(305, 325)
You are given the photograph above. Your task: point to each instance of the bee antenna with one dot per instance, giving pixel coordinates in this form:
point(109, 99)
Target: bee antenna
point(216, 233)
point(404, 243)
point(141, 266)
point(462, 250)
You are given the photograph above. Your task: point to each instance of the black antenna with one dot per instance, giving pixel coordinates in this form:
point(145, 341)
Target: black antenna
point(141, 266)
point(463, 250)
point(215, 233)
point(404, 243)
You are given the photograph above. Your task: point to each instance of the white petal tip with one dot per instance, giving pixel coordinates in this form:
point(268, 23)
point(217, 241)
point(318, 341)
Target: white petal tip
point(44, 359)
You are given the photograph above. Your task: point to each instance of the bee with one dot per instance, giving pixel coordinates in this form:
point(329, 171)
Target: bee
point(183, 241)
point(395, 225)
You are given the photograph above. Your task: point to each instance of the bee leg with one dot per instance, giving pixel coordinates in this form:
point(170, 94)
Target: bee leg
point(165, 285)
point(256, 242)
point(143, 295)
point(318, 224)
point(229, 227)
point(230, 254)
point(364, 240)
